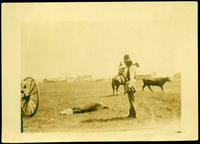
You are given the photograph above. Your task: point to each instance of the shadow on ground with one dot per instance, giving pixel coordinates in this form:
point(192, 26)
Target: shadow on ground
point(107, 120)
point(109, 95)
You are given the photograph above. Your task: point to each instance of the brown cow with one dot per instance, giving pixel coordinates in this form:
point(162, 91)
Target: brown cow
point(155, 82)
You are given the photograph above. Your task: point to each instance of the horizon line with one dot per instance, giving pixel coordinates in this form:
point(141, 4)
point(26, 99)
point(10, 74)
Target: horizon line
point(92, 76)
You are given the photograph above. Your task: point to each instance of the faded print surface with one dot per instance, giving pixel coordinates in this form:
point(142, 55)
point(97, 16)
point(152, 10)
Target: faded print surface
point(74, 61)
point(70, 53)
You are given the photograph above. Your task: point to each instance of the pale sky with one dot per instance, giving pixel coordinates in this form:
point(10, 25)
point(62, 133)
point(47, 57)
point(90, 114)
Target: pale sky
point(91, 38)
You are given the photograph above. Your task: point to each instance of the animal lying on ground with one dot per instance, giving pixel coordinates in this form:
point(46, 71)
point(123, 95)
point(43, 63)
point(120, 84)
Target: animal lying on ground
point(84, 108)
point(155, 82)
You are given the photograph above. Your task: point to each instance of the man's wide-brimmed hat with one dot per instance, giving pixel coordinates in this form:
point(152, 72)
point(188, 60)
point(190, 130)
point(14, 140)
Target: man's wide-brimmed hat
point(127, 58)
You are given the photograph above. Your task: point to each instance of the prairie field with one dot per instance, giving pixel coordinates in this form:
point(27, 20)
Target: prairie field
point(154, 109)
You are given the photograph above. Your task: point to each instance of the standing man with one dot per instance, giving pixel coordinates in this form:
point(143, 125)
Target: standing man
point(131, 84)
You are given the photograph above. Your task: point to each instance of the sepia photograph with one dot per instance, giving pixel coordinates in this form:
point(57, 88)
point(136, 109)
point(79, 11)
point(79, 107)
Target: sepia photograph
point(99, 71)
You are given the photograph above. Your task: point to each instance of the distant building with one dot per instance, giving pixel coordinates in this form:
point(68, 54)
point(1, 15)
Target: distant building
point(84, 78)
point(140, 77)
point(48, 81)
point(153, 75)
point(70, 79)
point(177, 75)
point(100, 79)
point(60, 79)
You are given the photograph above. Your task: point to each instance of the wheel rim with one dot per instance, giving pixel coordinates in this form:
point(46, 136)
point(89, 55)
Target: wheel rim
point(29, 97)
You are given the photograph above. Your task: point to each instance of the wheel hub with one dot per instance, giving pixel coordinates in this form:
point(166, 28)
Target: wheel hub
point(26, 98)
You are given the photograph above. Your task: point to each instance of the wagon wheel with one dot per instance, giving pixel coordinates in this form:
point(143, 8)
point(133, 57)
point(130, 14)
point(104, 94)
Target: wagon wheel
point(29, 97)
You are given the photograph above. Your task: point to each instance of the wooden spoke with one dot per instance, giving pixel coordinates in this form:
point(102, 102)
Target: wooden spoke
point(33, 93)
point(29, 107)
point(30, 84)
point(25, 103)
point(32, 89)
point(34, 96)
point(26, 106)
point(22, 95)
point(32, 103)
point(33, 106)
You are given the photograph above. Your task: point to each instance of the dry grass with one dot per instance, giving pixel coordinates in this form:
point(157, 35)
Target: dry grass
point(153, 108)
